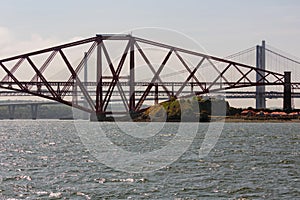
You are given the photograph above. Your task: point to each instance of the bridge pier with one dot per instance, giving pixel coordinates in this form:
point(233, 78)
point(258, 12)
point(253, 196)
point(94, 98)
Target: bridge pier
point(287, 93)
point(11, 111)
point(34, 111)
point(75, 94)
point(260, 64)
point(98, 117)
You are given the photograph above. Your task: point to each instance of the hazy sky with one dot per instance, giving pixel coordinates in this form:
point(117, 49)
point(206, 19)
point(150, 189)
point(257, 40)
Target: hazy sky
point(221, 26)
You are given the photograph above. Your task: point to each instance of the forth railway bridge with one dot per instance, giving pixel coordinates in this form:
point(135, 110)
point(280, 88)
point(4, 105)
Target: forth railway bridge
point(133, 71)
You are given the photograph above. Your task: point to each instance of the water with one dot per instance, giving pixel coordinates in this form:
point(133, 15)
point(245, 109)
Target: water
point(42, 160)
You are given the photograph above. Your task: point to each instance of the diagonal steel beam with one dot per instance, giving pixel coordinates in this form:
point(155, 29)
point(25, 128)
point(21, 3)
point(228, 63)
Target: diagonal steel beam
point(219, 76)
point(63, 46)
point(66, 88)
point(13, 77)
point(75, 77)
point(115, 74)
point(14, 68)
point(152, 68)
point(263, 78)
point(189, 70)
point(197, 54)
point(43, 67)
point(145, 94)
point(244, 76)
point(48, 97)
point(242, 73)
point(268, 76)
point(189, 77)
point(281, 80)
point(51, 90)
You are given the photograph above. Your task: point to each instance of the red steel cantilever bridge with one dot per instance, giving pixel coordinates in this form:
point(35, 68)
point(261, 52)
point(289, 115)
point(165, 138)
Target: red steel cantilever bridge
point(129, 69)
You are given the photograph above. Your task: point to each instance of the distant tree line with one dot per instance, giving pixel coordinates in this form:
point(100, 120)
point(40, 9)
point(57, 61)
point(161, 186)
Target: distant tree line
point(44, 112)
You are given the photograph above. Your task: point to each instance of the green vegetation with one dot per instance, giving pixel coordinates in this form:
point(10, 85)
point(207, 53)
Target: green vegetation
point(232, 111)
point(187, 110)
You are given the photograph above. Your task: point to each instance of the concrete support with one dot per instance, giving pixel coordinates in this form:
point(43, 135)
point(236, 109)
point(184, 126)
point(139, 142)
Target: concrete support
point(287, 93)
point(39, 88)
point(260, 64)
point(34, 111)
point(11, 111)
point(98, 117)
point(75, 94)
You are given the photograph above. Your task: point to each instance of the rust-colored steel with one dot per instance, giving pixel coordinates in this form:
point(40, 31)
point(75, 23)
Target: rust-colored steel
point(127, 92)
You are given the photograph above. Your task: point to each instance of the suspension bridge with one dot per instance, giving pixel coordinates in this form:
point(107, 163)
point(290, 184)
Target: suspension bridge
point(133, 70)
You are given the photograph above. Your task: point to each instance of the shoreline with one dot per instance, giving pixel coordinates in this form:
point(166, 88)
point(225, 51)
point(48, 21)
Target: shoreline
point(232, 120)
point(227, 119)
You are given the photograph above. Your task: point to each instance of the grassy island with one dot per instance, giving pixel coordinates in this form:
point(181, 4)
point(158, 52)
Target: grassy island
point(189, 110)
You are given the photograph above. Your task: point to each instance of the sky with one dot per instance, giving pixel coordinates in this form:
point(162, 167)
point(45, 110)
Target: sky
point(220, 27)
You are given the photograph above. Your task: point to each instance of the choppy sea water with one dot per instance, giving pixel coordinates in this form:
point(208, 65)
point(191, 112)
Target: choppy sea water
point(48, 160)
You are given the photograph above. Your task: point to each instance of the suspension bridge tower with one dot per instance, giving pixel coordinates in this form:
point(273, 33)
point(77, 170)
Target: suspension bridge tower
point(260, 64)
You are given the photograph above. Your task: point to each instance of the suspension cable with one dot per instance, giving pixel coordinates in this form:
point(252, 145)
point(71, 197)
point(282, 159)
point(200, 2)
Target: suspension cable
point(282, 56)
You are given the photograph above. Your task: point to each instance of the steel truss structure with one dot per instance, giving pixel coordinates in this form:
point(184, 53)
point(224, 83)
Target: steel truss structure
point(106, 86)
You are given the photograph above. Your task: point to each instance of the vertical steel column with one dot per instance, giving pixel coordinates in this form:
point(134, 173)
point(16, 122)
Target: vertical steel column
point(85, 75)
point(156, 94)
point(99, 90)
point(287, 93)
point(263, 66)
point(132, 77)
point(260, 64)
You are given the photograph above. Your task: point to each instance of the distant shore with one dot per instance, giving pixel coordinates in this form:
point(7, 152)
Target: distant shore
point(227, 119)
point(253, 120)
